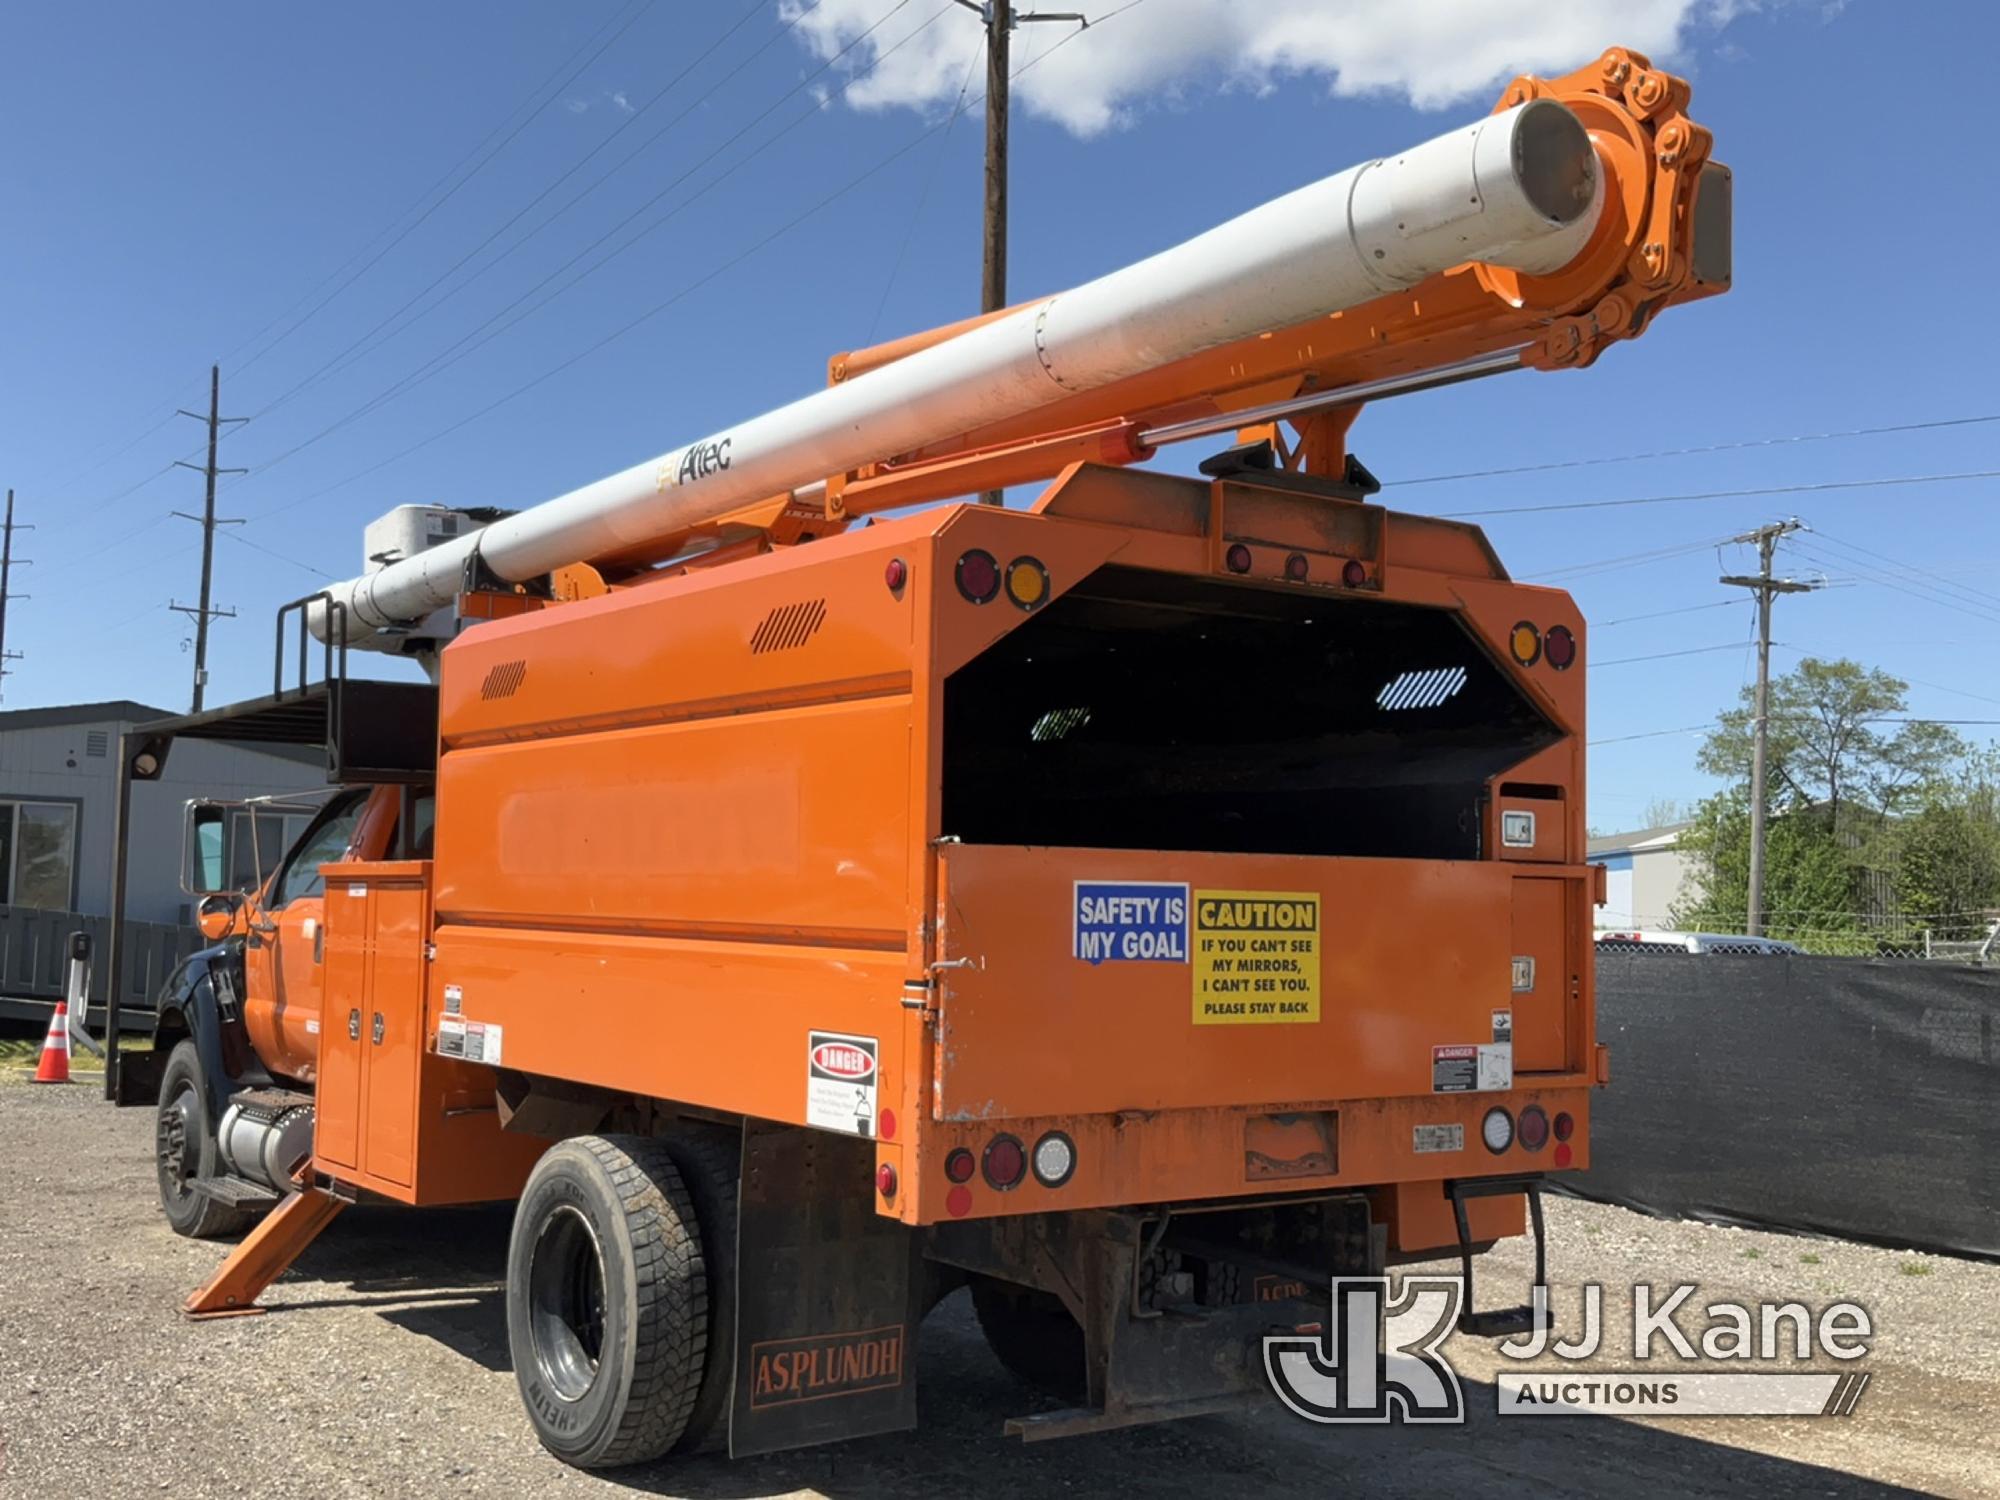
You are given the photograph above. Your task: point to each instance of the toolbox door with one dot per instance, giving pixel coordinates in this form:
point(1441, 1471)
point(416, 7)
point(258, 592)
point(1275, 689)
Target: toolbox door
point(1102, 980)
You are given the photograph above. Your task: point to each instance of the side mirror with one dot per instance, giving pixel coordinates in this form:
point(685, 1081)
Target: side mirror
point(215, 918)
point(205, 849)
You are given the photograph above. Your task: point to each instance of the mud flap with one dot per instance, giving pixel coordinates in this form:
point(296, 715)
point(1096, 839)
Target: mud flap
point(826, 1320)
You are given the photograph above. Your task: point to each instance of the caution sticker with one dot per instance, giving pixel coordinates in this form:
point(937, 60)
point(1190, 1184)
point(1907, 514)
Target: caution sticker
point(1256, 957)
point(475, 1041)
point(841, 1077)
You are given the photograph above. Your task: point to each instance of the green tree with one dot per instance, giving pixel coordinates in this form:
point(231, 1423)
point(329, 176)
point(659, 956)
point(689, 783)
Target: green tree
point(1947, 851)
point(1840, 769)
point(1829, 744)
point(1808, 876)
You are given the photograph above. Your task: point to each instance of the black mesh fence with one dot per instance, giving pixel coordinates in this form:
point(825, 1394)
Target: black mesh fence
point(1843, 1096)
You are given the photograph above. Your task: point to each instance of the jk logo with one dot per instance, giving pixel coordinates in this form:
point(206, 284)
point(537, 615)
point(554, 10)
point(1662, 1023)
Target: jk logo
point(1379, 1361)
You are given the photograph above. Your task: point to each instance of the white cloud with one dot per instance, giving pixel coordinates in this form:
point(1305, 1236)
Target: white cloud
point(576, 106)
point(623, 104)
point(1430, 52)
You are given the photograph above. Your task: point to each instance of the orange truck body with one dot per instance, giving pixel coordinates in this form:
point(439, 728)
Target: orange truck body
point(684, 827)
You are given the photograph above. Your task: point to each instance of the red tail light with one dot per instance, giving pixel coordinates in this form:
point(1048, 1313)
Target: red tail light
point(885, 1180)
point(1559, 647)
point(958, 1165)
point(1565, 1126)
point(1297, 568)
point(1005, 1164)
point(978, 576)
point(1238, 558)
point(1534, 1128)
point(1353, 573)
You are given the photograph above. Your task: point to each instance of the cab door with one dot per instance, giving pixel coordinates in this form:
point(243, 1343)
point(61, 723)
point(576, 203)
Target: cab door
point(285, 954)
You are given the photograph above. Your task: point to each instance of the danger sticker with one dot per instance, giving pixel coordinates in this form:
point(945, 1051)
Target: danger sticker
point(475, 1041)
point(1431, 1140)
point(1256, 957)
point(1454, 1070)
point(841, 1077)
point(1127, 920)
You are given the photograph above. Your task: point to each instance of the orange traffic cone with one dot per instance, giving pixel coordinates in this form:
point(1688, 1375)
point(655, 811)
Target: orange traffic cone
point(54, 1066)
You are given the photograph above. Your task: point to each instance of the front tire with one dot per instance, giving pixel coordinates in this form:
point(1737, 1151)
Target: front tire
point(185, 1149)
point(607, 1301)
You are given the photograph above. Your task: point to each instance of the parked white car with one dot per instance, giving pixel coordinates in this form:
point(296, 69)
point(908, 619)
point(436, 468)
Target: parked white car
point(1691, 942)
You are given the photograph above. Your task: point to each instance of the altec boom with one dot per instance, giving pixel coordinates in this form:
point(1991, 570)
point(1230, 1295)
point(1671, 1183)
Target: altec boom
point(1138, 907)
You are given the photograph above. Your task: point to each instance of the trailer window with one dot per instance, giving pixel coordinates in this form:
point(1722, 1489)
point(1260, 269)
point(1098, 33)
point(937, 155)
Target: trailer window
point(1151, 711)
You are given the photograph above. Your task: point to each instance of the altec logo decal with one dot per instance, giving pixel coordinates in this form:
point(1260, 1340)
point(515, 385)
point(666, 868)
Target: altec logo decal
point(843, 1060)
point(702, 460)
point(784, 1371)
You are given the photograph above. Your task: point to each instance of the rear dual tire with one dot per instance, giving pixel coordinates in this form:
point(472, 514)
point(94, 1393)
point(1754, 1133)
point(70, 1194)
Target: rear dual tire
point(610, 1300)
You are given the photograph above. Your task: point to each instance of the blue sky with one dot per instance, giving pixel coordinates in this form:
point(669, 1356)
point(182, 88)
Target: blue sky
point(183, 185)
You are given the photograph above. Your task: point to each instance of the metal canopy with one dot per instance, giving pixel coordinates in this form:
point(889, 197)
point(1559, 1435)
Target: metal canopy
point(372, 731)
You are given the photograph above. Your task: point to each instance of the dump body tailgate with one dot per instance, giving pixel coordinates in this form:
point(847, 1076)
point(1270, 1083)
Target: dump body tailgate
point(1071, 981)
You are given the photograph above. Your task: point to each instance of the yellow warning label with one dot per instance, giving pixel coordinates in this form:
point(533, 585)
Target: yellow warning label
point(1256, 957)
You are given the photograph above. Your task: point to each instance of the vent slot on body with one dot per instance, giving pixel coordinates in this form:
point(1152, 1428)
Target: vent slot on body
point(504, 680)
point(788, 626)
point(1421, 689)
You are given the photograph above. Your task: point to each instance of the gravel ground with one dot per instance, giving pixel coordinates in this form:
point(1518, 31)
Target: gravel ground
point(383, 1371)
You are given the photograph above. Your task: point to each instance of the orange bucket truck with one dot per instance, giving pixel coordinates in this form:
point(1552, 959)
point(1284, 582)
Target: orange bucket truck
point(1140, 907)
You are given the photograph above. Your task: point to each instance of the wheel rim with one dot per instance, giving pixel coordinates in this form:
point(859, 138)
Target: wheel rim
point(566, 1303)
point(173, 1138)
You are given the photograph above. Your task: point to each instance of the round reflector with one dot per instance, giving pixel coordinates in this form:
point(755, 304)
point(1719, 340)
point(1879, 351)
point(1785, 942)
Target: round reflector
point(885, 1180)
point(1027, 582)
point(1297, 568)
point(1565, 1126)
point(1005, 1162)
point(1238, 558)
point(1559, 645)
point(1526, 643)
point(1353, 573)
point(1055, 1159)
point(958, 1165)
point(1534, 1128)
point(1563, 1154)
point(895, 573)
point(885, 1125)
point(978, 576)
point(1497, 1130)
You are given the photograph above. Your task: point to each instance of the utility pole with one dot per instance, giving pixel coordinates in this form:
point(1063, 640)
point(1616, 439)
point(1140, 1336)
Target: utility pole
point(1001, 19)
point(8, 562)
point(204, 612)
point(1766, 588)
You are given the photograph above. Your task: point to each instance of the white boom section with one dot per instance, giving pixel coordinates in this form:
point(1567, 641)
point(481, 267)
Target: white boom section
point(1520, 189)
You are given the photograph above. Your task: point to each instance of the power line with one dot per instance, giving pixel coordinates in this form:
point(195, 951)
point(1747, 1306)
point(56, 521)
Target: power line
point(924, 193)
point(1661, 614)
point(472, 341)
point(1738, 446)
point(686, 291)
point(1623, 661)
point(237, 536)
point(1776, 489)
point(1629, 560)
point(637, 9)
point(1874, 558)
point(342, 360)
point(70, 476)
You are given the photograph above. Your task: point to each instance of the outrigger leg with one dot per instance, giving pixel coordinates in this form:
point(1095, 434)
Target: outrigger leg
point(265, 1254)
